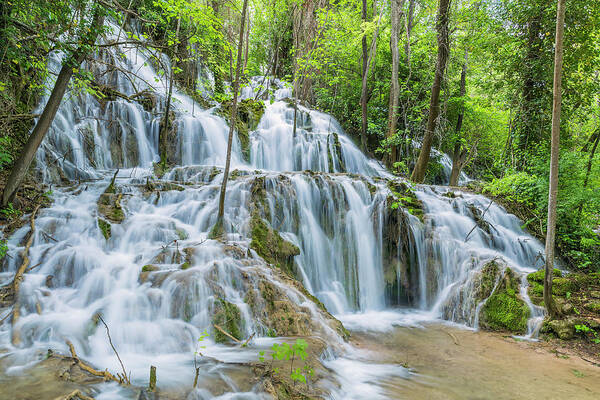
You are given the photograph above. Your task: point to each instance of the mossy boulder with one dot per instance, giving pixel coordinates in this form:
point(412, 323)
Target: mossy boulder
point(504, 309)
point(560, 285)
point(109, 204)
point(564, 328)
point(269, 244)
point(404, 196)
point(249, 113)
point(228, 317)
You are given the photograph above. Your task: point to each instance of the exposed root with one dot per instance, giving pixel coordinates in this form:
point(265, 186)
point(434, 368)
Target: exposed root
point(16, 285)
point(75, 394)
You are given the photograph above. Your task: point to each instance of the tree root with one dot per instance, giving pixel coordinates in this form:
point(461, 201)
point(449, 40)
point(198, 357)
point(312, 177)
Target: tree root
point(16, 285)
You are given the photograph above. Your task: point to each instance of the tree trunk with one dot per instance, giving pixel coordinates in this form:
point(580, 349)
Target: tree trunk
point(163, 133)
point(363, 97)
point(247, 42)
point(363, 93)
point(21, 166)
point(409, 26)
point(458, 155)
point(553, 192)
point(219, 228)
point(591, 160)
point(418, 173)
point(396, 15)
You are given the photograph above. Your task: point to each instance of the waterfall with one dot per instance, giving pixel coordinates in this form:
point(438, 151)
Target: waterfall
point(158, 280)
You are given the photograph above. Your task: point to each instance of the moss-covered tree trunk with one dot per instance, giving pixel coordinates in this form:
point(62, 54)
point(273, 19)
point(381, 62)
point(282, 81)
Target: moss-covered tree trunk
point(553, 191)
point(418, 173)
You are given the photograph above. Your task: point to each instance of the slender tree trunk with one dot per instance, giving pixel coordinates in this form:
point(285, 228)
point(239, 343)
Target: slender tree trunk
point(363, 93)
point(247, 42)
point(409, 26)
point(21, 166)
point(418, 174)
point(396, 15)
point(555, 147)
point(363, 97)
point(591, 160)
point(219, 228)
point(163, 133)
point(458, 155)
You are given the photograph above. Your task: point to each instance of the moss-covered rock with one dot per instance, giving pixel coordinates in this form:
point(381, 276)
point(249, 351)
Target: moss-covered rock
point(249, 113)
point(405, 197)
point(271, 246)
point(105, 228)
point(504, 309)
point(109, 204)
point(564, 328)
point(227, 316)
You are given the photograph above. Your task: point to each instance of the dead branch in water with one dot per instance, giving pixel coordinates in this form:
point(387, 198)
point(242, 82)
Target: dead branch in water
point(76, 394)
point(224, 332)
point(125, 378)
point(16, 285)
point(476, 225)
point(104, 374)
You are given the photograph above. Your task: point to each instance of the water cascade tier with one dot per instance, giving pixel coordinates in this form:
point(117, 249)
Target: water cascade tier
point(318, 233)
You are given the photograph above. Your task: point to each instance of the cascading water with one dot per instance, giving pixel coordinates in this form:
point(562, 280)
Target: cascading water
point(158, 281)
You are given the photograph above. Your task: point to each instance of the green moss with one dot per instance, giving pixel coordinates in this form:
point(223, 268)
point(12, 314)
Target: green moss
point(504, 309)
point(149, 268)
point(185, 265)
point(538, 276)
point(271, 246)
point(181, 234)
point(404, 196)
point(228, 317)
point(562, 286)
point(105, 228)
point(593, 306)
point(249, 113)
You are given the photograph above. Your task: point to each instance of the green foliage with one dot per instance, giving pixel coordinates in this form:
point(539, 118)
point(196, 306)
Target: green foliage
point(291, 352)
point(3, 249)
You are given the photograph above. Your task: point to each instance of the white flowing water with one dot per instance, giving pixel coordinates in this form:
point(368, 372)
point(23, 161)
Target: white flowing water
point(320, 192)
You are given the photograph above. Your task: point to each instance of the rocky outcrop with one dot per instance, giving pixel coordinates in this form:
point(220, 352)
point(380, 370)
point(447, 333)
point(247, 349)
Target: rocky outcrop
point(249, 113)
point(504, 308)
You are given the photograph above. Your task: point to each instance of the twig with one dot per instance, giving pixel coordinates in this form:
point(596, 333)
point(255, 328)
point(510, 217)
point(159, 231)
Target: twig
point(217, 327)
point(6, 316)
point(35, 266)
point(249, 339)
point(452, 336)
point(105, 374)
point(115, 350)
point(482, 215)
point(16, 285)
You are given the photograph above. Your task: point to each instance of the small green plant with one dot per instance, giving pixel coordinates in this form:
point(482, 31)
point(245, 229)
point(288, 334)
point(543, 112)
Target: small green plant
point(3, 249)
point(587, 330)
point(287, 352)
point(9, 212)
point(578, 373)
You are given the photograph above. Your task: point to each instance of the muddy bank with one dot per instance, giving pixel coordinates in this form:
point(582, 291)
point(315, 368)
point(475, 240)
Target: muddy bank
point(452, 363)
